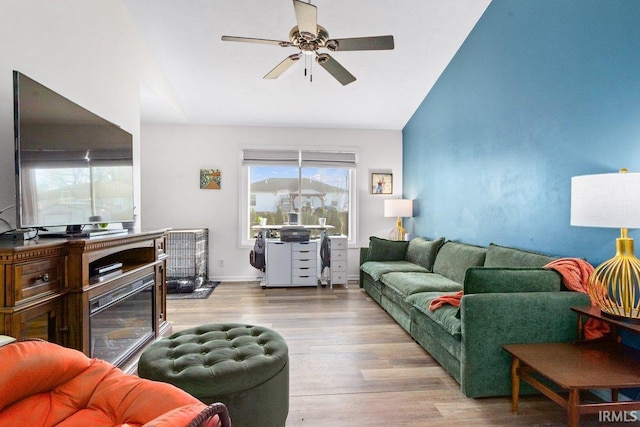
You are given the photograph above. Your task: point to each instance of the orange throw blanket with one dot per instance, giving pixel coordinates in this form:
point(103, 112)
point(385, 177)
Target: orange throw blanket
point(575, 276)
point(438, 302)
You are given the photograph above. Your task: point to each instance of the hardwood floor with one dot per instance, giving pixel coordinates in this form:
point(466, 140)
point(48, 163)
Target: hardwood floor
point(352, 365)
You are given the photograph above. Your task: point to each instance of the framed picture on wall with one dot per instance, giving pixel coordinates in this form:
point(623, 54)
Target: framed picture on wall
point(210, 179)
point(381, 183)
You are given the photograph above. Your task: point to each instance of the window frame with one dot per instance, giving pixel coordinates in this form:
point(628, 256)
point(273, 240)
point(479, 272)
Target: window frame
point(245, 205)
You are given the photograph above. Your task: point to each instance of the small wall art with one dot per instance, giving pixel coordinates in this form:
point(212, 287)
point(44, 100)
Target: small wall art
point(381, 183)
point(210, 179)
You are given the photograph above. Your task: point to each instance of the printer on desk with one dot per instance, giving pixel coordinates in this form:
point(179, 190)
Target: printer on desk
point(294, 234)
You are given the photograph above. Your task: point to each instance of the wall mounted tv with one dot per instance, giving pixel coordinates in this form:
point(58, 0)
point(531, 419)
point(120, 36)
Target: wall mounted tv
point(73, 167)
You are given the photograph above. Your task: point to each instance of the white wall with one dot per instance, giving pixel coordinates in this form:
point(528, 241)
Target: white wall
point(88, 51)
point(171, 197)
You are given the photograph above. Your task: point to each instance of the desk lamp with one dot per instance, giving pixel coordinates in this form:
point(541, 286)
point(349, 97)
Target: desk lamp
point(400, 208)
point(611, 200)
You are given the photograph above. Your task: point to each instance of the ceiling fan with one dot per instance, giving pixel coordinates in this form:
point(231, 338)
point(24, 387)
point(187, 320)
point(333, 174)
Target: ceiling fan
point(309, 37)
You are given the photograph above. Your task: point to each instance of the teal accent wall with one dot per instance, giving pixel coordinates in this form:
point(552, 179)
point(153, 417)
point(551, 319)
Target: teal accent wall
point(539, 92)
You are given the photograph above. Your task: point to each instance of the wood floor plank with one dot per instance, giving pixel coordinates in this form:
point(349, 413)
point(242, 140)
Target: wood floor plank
point(352, 365)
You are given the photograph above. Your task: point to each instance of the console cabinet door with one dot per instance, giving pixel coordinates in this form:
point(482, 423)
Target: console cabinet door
point(42, 321)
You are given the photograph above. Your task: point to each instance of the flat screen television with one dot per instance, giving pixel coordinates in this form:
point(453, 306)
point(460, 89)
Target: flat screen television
point(73, 168)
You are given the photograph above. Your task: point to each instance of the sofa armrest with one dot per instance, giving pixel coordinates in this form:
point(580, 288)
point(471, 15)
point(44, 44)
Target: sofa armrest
point(363, 258)
point(363, 255)
point(490, 320)
point(508, 280)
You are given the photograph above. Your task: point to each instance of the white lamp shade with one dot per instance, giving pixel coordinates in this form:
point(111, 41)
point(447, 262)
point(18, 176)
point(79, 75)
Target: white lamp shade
point(606, 200)
point(398, 208)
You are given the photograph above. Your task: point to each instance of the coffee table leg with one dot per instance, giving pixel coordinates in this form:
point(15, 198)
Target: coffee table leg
point(515, 384)
point(574, 407)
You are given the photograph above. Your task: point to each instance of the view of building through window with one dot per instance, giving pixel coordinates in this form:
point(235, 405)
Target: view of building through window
point(312, 192)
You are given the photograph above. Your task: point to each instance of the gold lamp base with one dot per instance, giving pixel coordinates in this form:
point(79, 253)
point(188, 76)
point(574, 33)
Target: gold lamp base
point(399, 232)
point(615, 284)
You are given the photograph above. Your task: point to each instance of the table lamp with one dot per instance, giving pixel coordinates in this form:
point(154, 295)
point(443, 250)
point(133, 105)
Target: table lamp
point(400, 208)
point(611, 200)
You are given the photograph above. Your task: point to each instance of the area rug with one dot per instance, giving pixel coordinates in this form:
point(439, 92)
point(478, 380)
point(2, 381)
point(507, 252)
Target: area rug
point(201, 292)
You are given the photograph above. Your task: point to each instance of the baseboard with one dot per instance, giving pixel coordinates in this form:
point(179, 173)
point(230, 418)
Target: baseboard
point(351, 278)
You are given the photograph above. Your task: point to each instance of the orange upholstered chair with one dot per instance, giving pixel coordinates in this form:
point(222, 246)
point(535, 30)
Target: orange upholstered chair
point(44, 384)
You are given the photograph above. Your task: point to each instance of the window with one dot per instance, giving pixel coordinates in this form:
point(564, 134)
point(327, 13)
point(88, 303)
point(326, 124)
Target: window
point(315, 184)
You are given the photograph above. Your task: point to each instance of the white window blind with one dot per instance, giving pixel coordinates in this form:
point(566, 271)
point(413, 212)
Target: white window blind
point(342, 159)
point(267, 157)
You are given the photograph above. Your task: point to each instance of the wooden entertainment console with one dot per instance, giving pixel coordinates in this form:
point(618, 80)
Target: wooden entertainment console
point(51, 288)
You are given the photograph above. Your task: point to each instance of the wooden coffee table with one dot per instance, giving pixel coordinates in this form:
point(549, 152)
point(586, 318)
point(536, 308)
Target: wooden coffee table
point(575, 367)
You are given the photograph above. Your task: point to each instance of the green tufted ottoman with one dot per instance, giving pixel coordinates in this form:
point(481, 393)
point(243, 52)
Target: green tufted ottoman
point(245, 367)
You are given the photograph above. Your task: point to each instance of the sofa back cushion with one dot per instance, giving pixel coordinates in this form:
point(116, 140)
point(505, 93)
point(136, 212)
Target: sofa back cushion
point(453, 260)
point(502, 256)
point(386, 250)
point(480, 280)
point(423, 252)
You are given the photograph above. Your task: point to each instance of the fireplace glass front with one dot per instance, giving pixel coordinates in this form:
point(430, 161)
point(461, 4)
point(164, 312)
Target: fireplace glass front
point(121, 321)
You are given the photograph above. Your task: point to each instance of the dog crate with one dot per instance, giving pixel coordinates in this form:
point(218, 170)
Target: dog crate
point(187, 259)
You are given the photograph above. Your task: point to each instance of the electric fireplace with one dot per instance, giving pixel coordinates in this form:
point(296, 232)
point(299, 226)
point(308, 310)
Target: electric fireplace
point(122, 320)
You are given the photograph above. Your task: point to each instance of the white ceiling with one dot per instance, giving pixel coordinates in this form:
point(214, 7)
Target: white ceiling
point(208, 81)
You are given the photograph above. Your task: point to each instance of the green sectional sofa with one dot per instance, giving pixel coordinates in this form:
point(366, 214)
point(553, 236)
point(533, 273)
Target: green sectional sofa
point(508, 298)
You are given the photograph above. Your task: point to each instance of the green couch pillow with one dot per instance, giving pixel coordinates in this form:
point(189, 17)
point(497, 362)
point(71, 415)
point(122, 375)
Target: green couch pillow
point(453, 259)
point(386, 250)
point(502, 256)
point(479, 280)
point(423, 252)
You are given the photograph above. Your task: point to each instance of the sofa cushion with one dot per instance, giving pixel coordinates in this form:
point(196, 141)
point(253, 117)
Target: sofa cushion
point(386, 250)
point(453, 259)
point(376, 269)
point(502, 256)
point(407, 284)
point(423, 252)
point(486, 280)
point(398, 300)
point(444, 316)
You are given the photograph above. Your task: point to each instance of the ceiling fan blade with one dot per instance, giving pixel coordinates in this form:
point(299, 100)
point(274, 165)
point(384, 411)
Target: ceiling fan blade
point(252, 40)
point(283, 66)
point(335, 69)
point(307, 18)
point(361, 43)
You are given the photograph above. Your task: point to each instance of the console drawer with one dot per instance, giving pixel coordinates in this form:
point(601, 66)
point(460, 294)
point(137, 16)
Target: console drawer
point(37, 277)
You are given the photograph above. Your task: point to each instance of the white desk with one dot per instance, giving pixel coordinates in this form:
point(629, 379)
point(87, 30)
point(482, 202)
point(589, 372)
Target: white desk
point(291, 264)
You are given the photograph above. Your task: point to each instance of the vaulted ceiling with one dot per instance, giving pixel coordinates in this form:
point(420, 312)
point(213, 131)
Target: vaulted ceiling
point(210, 81)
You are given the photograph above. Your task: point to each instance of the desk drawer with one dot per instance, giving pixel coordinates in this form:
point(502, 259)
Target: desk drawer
point(304, 247)
point(304, 255)
point(338, 243)
point(338, 265)
point(305, 279)
point(339, 277)
point(304, 263)
point(338, 255)
point(38, 277)
point(303, 271)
